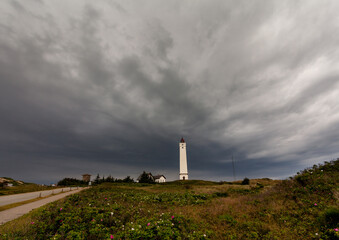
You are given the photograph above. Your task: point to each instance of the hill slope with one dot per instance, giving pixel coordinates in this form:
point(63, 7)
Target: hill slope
point(10, 180)
point(19, 186)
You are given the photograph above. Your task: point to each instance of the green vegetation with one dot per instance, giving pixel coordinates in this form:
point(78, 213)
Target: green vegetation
point(72, 182)
point(76, 182)
point(111, 179)
point(303, 207)
point(146, 178)
point(246, 181)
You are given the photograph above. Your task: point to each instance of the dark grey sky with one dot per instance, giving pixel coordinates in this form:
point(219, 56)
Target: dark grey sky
point(110, 87)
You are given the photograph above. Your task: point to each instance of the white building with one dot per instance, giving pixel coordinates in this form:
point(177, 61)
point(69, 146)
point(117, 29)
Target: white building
point(183, 175)
point(159, 178)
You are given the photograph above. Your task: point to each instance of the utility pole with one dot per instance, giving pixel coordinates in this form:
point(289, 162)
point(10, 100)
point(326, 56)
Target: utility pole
point(234, 176)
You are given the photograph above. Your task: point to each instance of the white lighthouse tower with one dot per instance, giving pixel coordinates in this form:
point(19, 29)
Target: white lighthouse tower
point(183, 160)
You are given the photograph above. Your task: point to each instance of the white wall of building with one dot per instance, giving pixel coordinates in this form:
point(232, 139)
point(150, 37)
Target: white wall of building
point(160, 180)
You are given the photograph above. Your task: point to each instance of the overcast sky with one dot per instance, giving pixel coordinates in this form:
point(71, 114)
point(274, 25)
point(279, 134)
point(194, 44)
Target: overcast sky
point(110, 87)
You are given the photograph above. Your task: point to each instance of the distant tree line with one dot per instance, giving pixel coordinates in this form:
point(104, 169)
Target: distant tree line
point(143, 178)
point(111, 179)
point(96, 181)
point(71, 182)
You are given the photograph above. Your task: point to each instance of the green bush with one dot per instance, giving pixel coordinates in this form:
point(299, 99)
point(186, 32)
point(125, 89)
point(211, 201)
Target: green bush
point(330, 218)
point(221, 194)
point(246, 181)
point(228, 219)
point(105, 211)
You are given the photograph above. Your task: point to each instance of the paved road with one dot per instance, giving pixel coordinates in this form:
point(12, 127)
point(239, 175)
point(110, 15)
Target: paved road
point(14, 198)
point(13, 213)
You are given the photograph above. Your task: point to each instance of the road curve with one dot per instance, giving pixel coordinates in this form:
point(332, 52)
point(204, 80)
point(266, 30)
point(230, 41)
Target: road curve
point(14, 198)
point(13, 213)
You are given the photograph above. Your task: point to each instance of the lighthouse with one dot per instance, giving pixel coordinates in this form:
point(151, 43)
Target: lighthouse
point(183, 175)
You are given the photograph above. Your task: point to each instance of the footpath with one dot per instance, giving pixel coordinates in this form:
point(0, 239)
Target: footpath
point(16, 198)
point(13, 213)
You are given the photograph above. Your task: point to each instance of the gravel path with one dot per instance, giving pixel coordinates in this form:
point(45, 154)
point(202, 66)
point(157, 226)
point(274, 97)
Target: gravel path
point(13, 213)
point(14, 198)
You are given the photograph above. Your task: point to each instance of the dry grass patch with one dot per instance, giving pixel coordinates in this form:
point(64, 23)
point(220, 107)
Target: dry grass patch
point(20, 225)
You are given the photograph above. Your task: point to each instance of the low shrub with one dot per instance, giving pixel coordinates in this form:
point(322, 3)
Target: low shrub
point(221, 194)
point(330, 218)
point(246, 181)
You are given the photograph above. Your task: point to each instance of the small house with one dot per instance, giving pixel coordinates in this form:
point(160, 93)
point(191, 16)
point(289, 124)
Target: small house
point(159, 178)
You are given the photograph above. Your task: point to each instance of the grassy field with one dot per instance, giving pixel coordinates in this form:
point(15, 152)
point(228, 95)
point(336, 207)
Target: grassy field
point(303, 207)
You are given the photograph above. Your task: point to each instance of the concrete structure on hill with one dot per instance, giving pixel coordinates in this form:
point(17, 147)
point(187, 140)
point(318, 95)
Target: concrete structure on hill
point(159, 178)
point(183, 175)
point(86, 177)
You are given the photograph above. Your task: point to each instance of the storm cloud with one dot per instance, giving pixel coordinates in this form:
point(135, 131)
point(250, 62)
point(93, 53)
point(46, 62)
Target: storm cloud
point(110, 87)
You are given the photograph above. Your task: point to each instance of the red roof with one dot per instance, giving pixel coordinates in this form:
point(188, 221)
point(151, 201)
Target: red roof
point(182, 140)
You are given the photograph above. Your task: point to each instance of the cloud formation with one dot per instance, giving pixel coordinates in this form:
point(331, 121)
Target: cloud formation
point(110, 87)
